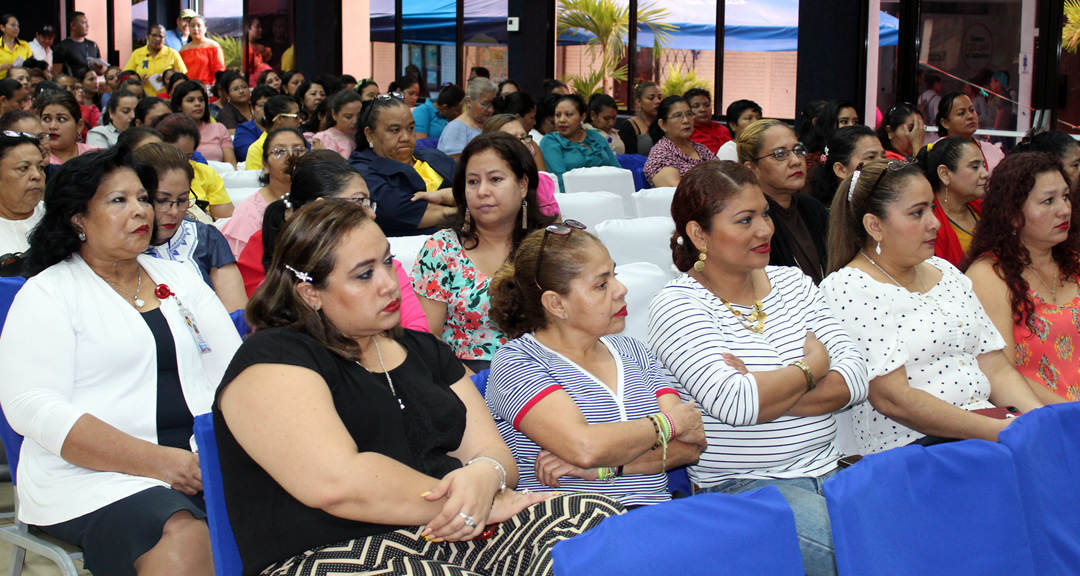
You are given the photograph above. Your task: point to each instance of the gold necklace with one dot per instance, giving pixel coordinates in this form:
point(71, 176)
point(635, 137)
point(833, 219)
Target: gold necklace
point(756, 318)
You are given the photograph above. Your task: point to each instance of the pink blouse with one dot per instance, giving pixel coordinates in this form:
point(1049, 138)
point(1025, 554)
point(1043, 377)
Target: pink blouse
point(545, 195)
point(213, 137)
point(338, 141)
point(247, 219)
point(83, 149)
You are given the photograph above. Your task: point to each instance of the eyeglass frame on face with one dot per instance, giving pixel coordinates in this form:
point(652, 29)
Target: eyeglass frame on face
point(364, 201)
point(14, 134)
point(677, 116)
point(281, 152)
point(564, 228)
point(390, 95)
point(284, 115)
point(782, 154)
point(526, 138)
point(180, 204)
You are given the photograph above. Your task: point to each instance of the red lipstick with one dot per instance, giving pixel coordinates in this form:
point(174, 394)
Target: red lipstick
point(621, 313)
point(393, 306)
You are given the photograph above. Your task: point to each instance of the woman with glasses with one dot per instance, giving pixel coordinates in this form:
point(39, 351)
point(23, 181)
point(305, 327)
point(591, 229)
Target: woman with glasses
point(480, 92)
point(282, 149)
point(207, 186)
point(771, 151)
point(571, 146)
point(902, 132)
point(278, 112)
point(583, 410)
point(434, 114)
point(234, 97)
point(675, 151)
point(957, 117)
point(933, 356)
point(511, 124)
point(757, 349)
point(199, 246)
point(957, 173)
point(495, 194)
point(22, 186)
point(706, 130)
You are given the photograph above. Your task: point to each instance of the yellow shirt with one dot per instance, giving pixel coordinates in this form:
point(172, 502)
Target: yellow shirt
point(964, 236)
point(145, 65)
point(430, 176)
point(254, 155)
point(288, 59)
point(208, 185)
point(22, 50)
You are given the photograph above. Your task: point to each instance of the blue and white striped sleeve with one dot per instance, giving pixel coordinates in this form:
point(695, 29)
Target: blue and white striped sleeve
point(844, 357)
point(516, 383)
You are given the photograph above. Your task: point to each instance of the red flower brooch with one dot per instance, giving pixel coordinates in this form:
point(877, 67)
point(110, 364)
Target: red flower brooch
point(162, 291)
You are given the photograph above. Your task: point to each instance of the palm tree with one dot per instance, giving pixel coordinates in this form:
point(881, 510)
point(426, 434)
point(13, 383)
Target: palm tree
point(1070, 33)
point(609, 25)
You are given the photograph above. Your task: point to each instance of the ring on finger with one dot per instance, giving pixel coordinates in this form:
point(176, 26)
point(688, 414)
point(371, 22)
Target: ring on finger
point(468, 520)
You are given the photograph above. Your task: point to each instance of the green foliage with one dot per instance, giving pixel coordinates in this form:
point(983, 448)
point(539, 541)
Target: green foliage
point(678, 82)
point(1070, 33)
point(233, 49)
point(593, 82)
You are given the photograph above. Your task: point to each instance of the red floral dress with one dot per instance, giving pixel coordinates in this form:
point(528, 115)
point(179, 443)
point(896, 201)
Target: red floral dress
point(444, 273)
point(1046, 346)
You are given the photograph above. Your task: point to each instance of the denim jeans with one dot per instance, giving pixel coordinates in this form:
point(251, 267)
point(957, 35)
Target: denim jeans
point(807, 501)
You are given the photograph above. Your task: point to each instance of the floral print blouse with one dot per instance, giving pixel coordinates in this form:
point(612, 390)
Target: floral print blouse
point(444, 273)
point(1046, 346)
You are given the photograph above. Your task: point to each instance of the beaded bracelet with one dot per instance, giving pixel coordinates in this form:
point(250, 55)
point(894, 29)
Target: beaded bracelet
point(671, 425)
point(498, 467)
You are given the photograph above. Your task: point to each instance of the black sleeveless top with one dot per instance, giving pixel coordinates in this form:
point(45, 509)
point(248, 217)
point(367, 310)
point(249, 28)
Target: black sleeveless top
point(174, 419)
point(270, 525)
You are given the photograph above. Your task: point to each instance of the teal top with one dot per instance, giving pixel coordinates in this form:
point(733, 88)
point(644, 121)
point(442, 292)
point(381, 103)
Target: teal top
point(562, 155)
point(428, 119)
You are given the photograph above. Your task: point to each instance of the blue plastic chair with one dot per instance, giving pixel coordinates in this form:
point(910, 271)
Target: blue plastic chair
point(427, 143)
point(943, 510)
point(19, 535)
point(226, 555)
point(481, 380)
point(1044, 446)
point(636, 164)
point(748, 534)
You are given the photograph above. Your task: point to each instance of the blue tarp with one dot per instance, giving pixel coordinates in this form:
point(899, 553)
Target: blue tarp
point(751, 25)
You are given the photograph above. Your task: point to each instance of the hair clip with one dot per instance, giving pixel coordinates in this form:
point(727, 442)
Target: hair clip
point(302, 276)
point(854, 183)
point(826, 151)
point(929, 146)
point(285, 199)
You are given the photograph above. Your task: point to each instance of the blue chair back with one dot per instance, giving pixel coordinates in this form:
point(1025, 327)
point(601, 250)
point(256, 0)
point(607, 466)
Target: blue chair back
point(481, 380)
point(226, 555)
point(9, 287)
point(427, 143)
point(635, 163)
point(941, 510)
point(749, 534)
point(1044, 445)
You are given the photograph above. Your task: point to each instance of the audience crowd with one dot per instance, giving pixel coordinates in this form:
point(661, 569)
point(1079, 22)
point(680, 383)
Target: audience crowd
point(822, 268)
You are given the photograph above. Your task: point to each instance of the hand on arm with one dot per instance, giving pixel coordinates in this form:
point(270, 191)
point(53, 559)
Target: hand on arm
point(437, 215)
point(441, 197)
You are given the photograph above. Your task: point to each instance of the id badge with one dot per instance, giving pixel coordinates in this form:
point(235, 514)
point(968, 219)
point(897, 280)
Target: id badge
point(193, 327)
point(145, 64)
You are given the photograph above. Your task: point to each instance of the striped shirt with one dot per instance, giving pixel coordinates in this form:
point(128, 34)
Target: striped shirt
point(690, 329)
point(525, 371)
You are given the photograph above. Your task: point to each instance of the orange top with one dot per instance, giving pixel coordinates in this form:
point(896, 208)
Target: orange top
point(1045, 347)
point(203, 63)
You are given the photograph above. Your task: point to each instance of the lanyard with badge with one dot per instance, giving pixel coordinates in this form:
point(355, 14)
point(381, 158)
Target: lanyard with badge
point(162, 291)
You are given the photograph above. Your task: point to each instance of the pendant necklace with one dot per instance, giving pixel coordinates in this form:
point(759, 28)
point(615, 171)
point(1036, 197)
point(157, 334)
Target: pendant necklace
point(139, 302)
point(389, 380)
point(756, 318)
point(926, 291)
point(1053, 291)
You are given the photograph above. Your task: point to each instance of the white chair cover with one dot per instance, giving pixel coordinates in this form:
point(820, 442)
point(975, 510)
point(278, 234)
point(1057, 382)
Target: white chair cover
point(406, 248)
point(639, 240)
point(590, 208)
point(221, 167)
point(245, 179)
point(642, 280)
point(602, 178)
point(653, 201)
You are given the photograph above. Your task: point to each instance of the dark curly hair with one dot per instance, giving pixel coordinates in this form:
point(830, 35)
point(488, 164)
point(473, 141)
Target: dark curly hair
point(703, 193)
point(68, 192)
point(1003, 215)
point(521, 163)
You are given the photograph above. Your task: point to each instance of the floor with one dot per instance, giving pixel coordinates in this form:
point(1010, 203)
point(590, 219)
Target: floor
point(35, 565)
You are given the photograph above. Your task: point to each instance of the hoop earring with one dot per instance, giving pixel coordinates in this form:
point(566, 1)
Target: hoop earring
point(878, 248)
point(468, 221)
point(524, 214)
point(700, 264)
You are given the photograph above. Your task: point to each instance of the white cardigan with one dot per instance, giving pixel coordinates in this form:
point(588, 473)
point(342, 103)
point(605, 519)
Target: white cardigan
point(72, 345)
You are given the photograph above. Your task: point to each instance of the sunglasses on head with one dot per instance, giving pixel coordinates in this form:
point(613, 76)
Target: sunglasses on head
point(564, 228)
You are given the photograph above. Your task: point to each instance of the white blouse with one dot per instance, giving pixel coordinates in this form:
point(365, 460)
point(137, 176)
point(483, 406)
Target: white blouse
point(15, 234)
point(690, 329)
point(71, 346)
point(937, 337)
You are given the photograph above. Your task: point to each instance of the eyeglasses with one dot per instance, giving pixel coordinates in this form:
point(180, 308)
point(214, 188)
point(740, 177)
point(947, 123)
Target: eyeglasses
point(286, 116)
point(678, 116)
point(564, 228)
point(282, 152)
point(361, 200)
point(781, 154)
point(13, 134)
point(239, 88)
point(486, 104)
point(526, 138)
point(389, 95)
point(181, 204)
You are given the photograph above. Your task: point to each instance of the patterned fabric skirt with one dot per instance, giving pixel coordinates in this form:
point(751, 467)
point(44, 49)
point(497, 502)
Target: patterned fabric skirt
point(520, 547)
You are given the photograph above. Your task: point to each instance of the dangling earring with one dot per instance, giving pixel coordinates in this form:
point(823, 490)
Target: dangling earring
point(946, 193)
point(468, 221)
point(700, 264)
point(524, 214)
point(878, 249)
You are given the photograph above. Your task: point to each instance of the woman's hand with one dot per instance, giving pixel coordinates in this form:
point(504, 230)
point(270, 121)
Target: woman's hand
point(470, 491)
point(917, 134)
point(441, 197)
point(508, 504)
point(688, 425)
point(736, 363)
point(816, 356)
point(549, 468)
point(180, 469)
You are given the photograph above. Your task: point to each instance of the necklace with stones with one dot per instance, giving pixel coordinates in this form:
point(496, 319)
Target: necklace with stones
point(389, 380)
point(756, 318)
point(1053, 291)
point(139, 302)
point(925, 292)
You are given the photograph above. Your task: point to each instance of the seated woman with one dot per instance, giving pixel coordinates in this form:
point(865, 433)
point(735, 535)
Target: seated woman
point(674, 153)
point(1062, 146)
point(706, 130)
point(602, 114)
point(1025, 271)
point(495, 193)
point(409, 88)
point(103, 376)
point(770, 150)
point(203, 57)
point(480, 92)
point(62, 119)
point(512, 125)
point(176, 238)
point(344, 108)
point(271, 78)
point(902, 132)
point(215, 143)
point(957, 117)
point(768, 389)
point(392, 453)
point(583, 410)
point(22, 186)
point(283, 147)
point(571, 145)
point(278, 112)
point(635, 131)
point(118, 115)
point(207, 186)
point(234, 97)
point(848, 148)
point(368, 89)
point(248, 132)
point(933, 356)
point(309, 95)
point(318, 175)
point(149, 109)
point(740, 114)
point(396, 172)
point(291, 81)
point(433, 115)
point(956, 171)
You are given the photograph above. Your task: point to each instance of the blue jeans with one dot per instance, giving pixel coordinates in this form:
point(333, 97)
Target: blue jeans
point(811, 516)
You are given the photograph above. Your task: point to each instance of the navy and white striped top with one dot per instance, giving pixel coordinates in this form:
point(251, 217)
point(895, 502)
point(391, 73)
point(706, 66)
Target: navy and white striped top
point(690, 329)
point(525, 371)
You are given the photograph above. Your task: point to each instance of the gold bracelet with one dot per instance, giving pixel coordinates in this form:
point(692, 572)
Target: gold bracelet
point(811, 382)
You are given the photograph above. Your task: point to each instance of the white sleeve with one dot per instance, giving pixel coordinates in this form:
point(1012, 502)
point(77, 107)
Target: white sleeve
point(844, 357)
point(862, 306)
